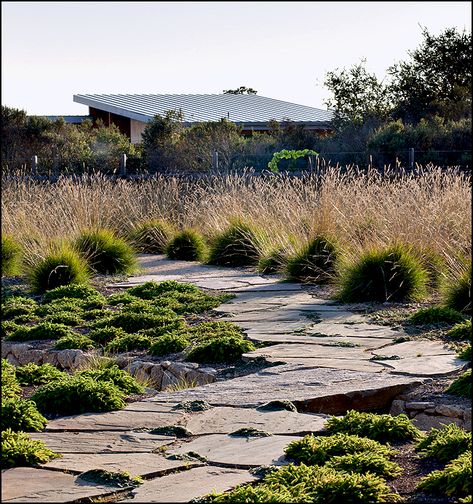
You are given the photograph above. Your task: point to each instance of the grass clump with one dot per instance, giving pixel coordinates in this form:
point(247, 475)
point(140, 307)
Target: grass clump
point(188, 245)
point(461, 387)
point(365, 462)
point(457, 294)
point(129, 342)
point(10, 384)
point(18, 449)
point(274, 262)
point(239, 245)
point(78, 394)
point(121, 379)
point(453, 480)
point(151, 237)
point(105, 252)
point(446, 443)
point(169, 343)
point(61, 267)
point(10, 256)
point(436, 315)
point(74, 341)
point(461, 331)
point(33, 374)
point(382, 428)
point(41, 331)
point(18, 305)
point(20, 414)
point(391, 274)
point(222, 349)
point(315, 263)
point(316, 450)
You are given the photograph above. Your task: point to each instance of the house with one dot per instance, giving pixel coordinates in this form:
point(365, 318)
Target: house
point(249, 111)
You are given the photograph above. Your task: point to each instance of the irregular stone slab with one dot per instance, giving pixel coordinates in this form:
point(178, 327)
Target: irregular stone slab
point(337, 316)
point(271, 297)
point(353, 330)
point(102, 442)
point(274, 287)
point(275, 327)
point(349, 364)
point(242, 451)
point(228, 420)
point(436, 365)
point(268, 316)
point(137, 464)
point(317, 390)
point(417, 348)
point(284, 351)
point(27, 484)
point(187, 485)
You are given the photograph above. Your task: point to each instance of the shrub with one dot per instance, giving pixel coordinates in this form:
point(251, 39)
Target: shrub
point(21, 415)
point(121, 298)
point(461, 331)
point(457, 294)
point(10, 257)
point(72, 306)
point(316, 261)
point(191, 302)
point(78, 395)
point(169, 343)
point(206, 331)
point(41, 331)
point(32, 374)
point(129, 342)
point(74, 341)
point(103, 335)
point(391, 274)
point(73, 291)
point(364, 462)
point(455, 479)
point(8, 327)
point(314, 450)
point(60, 267)
point(188, 245)
point(132, 322)
point(238, 245)
point(18, 305)
point(382, 428)
point(121, 379)
point(105, 252)
point(446, 443)
point(465, 353)
point(152, 290)
point(10, 385)
point(436, 315)
point(96, 314)
point(461, 387)
point(223, 349)
point(151, 237)
point(274, 262)
point(18, 449)
point(66, 318)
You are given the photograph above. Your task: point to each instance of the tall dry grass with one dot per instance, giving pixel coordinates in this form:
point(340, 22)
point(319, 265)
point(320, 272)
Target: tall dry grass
point(431, 210)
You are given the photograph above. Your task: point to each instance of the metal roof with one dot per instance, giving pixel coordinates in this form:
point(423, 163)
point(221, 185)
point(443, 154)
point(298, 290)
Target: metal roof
point(72, 119)
point(248, 110)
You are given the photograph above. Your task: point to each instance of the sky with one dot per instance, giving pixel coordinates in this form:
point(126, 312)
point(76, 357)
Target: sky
point(53, 50)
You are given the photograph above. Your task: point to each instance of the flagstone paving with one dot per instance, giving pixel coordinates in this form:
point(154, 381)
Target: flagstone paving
point(329, 360)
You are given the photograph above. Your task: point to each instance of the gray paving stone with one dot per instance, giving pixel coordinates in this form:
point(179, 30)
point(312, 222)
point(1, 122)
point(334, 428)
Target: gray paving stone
point(436, 365)
point(187, 485)
point(359, 329)
point(283, 351)
point(27, 484)
point(274, 287)
point(348, 364)
point(418, 348)
point(281, 327)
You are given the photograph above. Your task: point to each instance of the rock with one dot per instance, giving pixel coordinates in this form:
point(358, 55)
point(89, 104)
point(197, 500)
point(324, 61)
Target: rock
point(352, 330)
point(397, 407)
point(156, 376)
point(449, 411)
point(427, 422)
point(168, 379)
point(418, 348)
point(419, 405)
point(436, 365)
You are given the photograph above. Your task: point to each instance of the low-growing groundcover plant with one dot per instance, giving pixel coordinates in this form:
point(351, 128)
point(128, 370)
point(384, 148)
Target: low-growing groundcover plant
point(465, 353)
point(21, 415)
point(436, 315)
point(169, 343)
point(18, 449)
point(9, 382)
point(461, 387)
point(12, 306)
point(457, 294)
point(74, 341)
point(121, 379)
point(151, 237)
point(223, 349)
point(384, 274)
point(446, 443)
point(10, 256)
point(91, 297)
point(41, 331)
point(33, 374)
point(187, 245)
point(365, 462)
point(461, 331)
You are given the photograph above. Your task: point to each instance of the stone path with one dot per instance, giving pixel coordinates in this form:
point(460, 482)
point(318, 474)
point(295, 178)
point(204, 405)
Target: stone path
point(325, 359)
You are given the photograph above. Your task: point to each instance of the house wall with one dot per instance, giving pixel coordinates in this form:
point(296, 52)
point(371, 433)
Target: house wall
point(136, 129)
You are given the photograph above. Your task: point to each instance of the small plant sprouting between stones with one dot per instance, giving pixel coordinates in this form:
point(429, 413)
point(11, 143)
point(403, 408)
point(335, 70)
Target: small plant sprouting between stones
point(116, 479)
point(384, 357)
point(172, 430)
point(250, 432)
point(192, 406)
point(446, 443)
point(278, 406)
point(190, 456)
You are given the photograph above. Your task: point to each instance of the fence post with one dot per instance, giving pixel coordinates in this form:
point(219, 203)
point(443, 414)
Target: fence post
point(411, 158)
point(34, 165)
point(215, 160)
point(123, 165)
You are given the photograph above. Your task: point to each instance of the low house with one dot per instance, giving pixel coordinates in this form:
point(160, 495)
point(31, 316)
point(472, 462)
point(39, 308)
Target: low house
point(249, 111)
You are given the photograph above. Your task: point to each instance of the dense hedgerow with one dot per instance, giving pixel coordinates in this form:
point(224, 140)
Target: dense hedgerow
point(13, 306)
point(461, 387)
point(382, 428)
point(457, 294)
point(436, 315)
point(169, 343)
point(121, 379)
point(188, 245)
point(105, 252)
point(446, 443)
point(33, 374)
point(391, 274)
point(74, 341)
point(222, 349)
point(316, 262)
point(41, 331)
point(10, 384)
point(239, 245)
point(61, 267)
point(365, 462)
point(461, 331)
point(18, 449)
point(20, 414)
point(10, 256)
point(151, 237)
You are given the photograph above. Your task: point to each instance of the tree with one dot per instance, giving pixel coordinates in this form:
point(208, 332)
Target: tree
point(240, 90)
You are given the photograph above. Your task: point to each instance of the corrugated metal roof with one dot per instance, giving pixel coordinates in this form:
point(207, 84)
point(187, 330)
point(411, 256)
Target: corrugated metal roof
point(73, 119)
point(241, 109)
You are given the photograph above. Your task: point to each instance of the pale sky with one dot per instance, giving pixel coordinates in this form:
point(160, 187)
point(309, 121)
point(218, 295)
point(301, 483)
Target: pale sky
point(53, 50)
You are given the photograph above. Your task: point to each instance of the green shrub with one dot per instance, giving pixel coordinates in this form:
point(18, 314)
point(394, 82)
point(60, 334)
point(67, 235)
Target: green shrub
point(382, 428)
point(169, 343)
point(132, 322)
point(315, 263)
point(105, 252)
point(364, 462)
point(32, 374)
point(21, 415)
point(104, 335)
point(461, 387)
point(121, 298)
point(206, 331)
point(151, 237)
point(74, 341)
point(73, 291)
point(188, 245)
point(434, 266)
point(41, 331)
point(446, 443)
point(8, 327)
point(465, 353)
point(436, 315)
point(66, 318)
point(274, 262)
point(10, 256)
point(97, 313)
point(457, 294)
point(223, 349)
point(73, 306)
point(129, 342)
point(392, 274)
point(314, 450)
point(191, 302)
point(18, 449)
point(152, 290)
point(10, 385)
point(60, 267)
point(461, 331)
point(121, 379)
point(78, 395)
point(18, 305)
point(238, 245)
point(455, 479)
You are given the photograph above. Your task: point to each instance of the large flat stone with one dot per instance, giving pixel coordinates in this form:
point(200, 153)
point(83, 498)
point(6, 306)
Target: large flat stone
point(27, 484)
point(360, 329)
point(273, 287)
point(102, 442)
point(417, 348)
point(268, 326)
point(327, 362)
point(187, 485)
point(137, 464)
point(284, 351)
point(227, 420)
point(436, 365)
point(244, 452)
